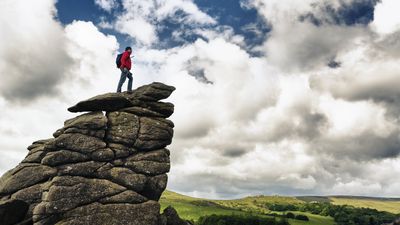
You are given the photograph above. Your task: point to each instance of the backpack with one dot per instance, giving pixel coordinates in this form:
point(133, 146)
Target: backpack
point(118, 60)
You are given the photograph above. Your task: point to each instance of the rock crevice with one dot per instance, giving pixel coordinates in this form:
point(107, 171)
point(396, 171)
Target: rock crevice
point(107, 166)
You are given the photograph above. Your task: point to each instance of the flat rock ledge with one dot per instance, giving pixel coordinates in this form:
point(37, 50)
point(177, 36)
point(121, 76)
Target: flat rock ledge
point(107, 166)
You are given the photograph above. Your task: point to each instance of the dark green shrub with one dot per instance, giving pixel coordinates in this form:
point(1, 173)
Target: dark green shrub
point(301, 217)
point(238, 220)
point(290, 215)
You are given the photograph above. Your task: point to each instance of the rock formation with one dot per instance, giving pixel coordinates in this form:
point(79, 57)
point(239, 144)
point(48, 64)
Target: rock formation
point(105, 167)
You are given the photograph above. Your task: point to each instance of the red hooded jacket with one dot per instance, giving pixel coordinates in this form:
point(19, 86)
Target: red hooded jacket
point(126, 60)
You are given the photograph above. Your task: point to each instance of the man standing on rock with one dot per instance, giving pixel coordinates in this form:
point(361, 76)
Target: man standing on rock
point(125, 66)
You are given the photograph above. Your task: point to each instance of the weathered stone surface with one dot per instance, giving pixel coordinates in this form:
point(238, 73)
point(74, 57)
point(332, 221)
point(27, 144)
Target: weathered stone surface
point(26, 177)
point(106, 102)
point(124, 177)
point(39, 143)
point(78, 142)
point(139, 111)
point(148, 167)
point(155, 187)
point(121, 151)
point(95, 133)
point(122, 128)
point(32, 146)
point(92, 121)
point(152, 92)
point(86, 169)
point(69, 192)
point(124, 197)
point(164, 108)
point(146, 213)
point(154, 134)
point(32, 194)
point(91, 124)
point(43, 141)
point(161, 155)
point(35, 155)
point(140, 97)
point(103, 155)
point(172, 217)
point(41, 147)
point(101, 168)
point(61, 157)
point(13, 212)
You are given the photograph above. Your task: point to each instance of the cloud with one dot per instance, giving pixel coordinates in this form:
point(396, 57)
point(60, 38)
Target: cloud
point(142, 19)
point(386, 17)
point(107, 5)
point(281, 122)
point(33, 60)
point(297, 44)
point(92, 72)
point(304, 46)
point(138, 28)
point(89, 48)
point(209, 171)
point(352, 12)
point(319, 114)
point(369, 71)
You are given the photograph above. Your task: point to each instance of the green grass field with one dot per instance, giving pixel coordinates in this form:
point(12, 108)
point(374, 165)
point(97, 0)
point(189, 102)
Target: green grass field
point(388, 205)
point(192, 208)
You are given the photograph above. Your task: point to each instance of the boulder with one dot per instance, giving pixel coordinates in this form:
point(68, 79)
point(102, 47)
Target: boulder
point(92, 121)
point(13, 212)
point(139, 111)
point(127, 196)
point(78, 142)
point(116, 101)
point(122, 128)
point(146, 213)
point(172, 217)
point(152, 92)
point(107, 166)
point(154, 134)
point(68, 192)
point(124, 177)
point(105, 102)
point(26, 177)
point(63, 157)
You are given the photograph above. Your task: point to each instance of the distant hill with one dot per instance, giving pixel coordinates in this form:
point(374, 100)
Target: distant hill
point(192, 208)
point(382, 204)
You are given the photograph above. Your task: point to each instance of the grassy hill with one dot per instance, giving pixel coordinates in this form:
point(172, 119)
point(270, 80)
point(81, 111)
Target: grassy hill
point(192, 208)
point(391, 205)
point(381, 204)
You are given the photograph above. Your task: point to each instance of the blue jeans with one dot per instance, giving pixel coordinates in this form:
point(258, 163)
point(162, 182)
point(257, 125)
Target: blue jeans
point(125, 74)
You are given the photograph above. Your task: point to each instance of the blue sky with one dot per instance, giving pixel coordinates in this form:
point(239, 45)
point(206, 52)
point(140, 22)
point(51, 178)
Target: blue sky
point(230, 13)
point(291, 97)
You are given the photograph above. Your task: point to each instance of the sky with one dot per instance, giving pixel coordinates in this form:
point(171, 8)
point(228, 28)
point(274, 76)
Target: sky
point(288, 97)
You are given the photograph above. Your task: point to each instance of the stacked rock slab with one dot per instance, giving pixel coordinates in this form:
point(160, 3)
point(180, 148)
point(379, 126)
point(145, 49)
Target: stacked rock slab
point(105, 167)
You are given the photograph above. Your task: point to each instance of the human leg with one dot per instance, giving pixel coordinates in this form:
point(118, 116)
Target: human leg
point(130, 81)
point(121, 80)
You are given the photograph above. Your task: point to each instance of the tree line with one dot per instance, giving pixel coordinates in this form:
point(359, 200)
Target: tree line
point(342, 214)
point(239, 220)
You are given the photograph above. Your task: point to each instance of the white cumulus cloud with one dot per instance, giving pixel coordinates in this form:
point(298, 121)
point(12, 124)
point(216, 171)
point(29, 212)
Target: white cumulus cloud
point(386, 16)
point(280, 123)
point(107, 5)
